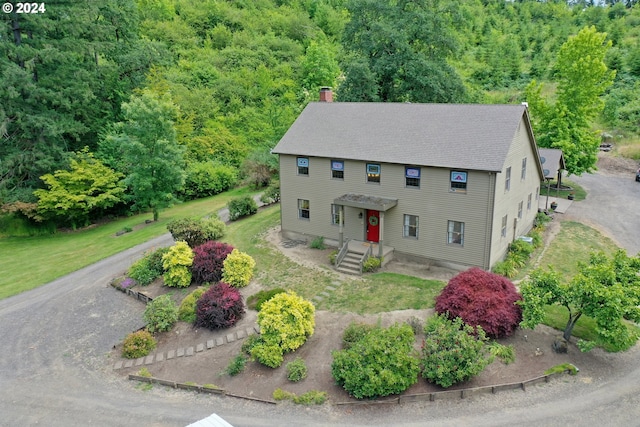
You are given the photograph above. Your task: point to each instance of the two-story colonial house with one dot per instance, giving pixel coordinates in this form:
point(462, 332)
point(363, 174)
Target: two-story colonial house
point(448, 184)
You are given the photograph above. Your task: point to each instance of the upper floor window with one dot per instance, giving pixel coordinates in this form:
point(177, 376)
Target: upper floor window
point(458, 181)
point(507, 179)
point(337, 169)
point(455, 233)
point(303, 166)
point(529, 202)
point(412, 176)
point(523, 173)
point(410, 228)
point(373, 172)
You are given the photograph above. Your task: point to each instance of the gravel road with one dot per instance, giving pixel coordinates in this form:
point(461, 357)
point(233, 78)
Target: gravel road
point(55, 340)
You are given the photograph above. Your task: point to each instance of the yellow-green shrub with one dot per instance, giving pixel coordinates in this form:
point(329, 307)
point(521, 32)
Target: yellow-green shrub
point(187, 309)
point(238, 269)
point(176, 263)
point(138, 344)
point(286, 321)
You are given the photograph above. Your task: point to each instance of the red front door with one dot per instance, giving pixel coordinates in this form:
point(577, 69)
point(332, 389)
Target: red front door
point(373, 226)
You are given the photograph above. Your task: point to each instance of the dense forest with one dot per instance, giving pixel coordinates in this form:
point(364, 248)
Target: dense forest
point(125, 105)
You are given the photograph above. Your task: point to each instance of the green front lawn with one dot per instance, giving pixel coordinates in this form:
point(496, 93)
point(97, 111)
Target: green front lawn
point(28, 262)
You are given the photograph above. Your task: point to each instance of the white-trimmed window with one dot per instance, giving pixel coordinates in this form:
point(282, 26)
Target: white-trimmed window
point(337, 169)
point(303, 209)
point(373, 172)
point(503, 230)
point(520, 209)
point(523, 172)
point(335, 214)
point(412, 176)
point(507, 179)
point(529, 202)
point(455, 233)
point(303, 166)
point(537, 193)
point(410, 228)
point(458, 181)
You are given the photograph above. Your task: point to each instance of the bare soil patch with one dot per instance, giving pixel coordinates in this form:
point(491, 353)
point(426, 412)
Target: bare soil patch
point(610, 164)
point(533, 347)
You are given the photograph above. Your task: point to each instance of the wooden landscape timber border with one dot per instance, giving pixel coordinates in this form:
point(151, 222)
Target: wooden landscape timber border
point(135, 294)
point(421, 397)
point(195, 387)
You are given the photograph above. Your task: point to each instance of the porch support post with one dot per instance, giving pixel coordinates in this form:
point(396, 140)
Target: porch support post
point(380, 251)
point(341, 225)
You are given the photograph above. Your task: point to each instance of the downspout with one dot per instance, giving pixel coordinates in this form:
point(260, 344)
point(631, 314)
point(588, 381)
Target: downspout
point(489, 222)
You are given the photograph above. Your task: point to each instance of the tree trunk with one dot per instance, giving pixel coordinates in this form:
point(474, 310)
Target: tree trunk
point(573, 319)
point(155, 214)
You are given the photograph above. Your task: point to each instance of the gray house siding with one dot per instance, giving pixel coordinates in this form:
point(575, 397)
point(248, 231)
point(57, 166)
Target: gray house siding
point(433, 203)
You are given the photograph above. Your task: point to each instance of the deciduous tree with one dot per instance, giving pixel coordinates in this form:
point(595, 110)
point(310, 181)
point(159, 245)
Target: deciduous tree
point(605, 289)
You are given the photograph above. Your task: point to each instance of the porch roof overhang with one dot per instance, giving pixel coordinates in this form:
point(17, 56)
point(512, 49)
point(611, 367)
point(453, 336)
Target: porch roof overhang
point(364, 201)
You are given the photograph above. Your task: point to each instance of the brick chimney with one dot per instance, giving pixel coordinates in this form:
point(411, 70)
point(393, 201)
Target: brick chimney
point(326, 95)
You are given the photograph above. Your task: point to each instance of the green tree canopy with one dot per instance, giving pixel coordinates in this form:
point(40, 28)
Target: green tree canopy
point(605, 289)
point(151, 157)
point(73, 194)
point(582, 78)
point(398, 50)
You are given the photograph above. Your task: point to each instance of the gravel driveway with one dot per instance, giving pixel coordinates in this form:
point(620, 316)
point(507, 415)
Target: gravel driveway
point(55, 340)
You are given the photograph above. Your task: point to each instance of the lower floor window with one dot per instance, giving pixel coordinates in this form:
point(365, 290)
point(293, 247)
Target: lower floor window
point(410, 226)
point(503, 230)
point(455, 233)
point(335, 214)
point(303, 208)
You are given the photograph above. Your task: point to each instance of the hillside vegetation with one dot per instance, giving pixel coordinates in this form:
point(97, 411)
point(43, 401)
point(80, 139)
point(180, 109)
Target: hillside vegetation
point(231, 76)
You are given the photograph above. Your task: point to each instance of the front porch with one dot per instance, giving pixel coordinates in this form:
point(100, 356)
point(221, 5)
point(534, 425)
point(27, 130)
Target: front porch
point(354, 252)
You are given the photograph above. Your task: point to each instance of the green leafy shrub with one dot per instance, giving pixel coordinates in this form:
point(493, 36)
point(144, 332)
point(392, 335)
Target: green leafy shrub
point(148, 268)
point(521, 249)
point(380, 364)
point(256, 300)
point(452, 351)
point(311, 397)
point(238, 269)
point(286, 321)
point(371, 264)
point(317, 243)
point(250, 342)
point(138, 344)
point(506, 268)
point(187, 309)
point(542, 219)
point(271, 194)
point(206, 179)
point(506, 353)
point(354, 332)
point(176, 263)
point(196, 231)
point(332, 257)
point(161, 314)
point(241, 207)
point(296, 370)
point(236, 365)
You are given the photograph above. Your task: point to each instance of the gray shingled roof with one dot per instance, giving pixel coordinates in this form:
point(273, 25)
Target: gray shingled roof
point(553, 161)
point(466, 136)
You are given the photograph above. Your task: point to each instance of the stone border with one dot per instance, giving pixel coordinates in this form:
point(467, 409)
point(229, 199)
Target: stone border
point(187, 351)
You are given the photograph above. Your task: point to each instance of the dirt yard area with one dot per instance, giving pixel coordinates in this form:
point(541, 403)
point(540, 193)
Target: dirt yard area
point(533, 347)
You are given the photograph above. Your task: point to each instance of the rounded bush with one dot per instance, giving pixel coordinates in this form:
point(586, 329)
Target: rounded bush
point(161, 314)
point(484, 299)
point(221, 306)
point(241, 207)
point(176, 263)
point(148, 268)
point(208, 261)
point(138, 344)
point(238, 269)
point(354, 332)
point(379, 364)
point(187, 309)
point(296, 370)
point(196, 231)
point(452, 352)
